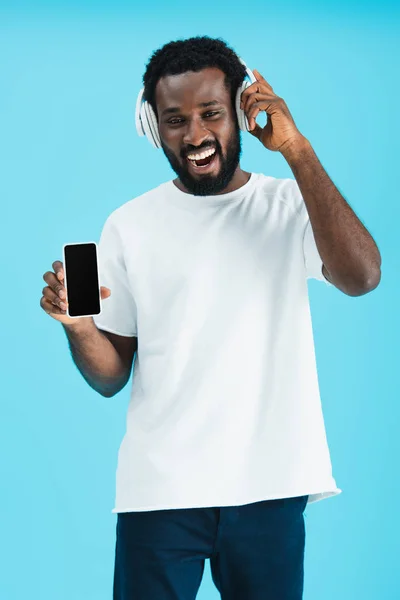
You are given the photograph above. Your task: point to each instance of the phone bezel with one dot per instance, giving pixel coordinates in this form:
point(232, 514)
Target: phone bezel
point(65, 278)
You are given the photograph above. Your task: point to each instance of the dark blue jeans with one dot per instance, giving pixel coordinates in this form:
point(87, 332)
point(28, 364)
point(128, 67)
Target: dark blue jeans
point(256, 551)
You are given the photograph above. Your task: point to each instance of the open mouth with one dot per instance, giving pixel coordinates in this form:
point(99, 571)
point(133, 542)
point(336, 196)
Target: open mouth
point(201, 160)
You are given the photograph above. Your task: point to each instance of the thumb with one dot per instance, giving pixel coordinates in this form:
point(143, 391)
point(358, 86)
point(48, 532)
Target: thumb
point(104, 292)
point(256, 131)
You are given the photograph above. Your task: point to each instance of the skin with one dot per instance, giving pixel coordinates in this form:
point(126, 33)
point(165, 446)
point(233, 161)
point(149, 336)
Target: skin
point(192, 126)
point(351, 258)
point(104, 359)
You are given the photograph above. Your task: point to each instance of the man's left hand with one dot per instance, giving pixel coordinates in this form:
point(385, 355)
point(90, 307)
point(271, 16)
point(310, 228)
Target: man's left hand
point(280, 130)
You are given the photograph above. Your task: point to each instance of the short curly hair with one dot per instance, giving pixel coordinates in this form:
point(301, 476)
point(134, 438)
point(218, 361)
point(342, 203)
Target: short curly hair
point(193, 54)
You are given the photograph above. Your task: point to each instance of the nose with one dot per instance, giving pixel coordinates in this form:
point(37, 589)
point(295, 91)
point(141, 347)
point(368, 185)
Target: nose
point(195, 133)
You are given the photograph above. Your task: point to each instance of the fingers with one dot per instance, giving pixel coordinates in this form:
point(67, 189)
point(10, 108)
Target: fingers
point(54, 299)
point(257, 103)
point(261, 79)
point(260, 86)
point(49, 308)
point(58, 268)
point(54, 295)
point(256, 131)
point(55, 284)
point(269, 100)
point(253, 108)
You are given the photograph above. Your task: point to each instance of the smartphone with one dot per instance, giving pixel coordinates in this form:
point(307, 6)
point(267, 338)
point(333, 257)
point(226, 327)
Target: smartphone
point(82, 279)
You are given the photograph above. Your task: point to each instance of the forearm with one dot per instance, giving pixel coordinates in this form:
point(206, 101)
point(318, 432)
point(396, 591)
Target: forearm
point(96, 358)
point(348, 251)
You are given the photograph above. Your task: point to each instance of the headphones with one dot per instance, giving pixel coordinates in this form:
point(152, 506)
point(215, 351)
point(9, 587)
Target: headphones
point(146, 120)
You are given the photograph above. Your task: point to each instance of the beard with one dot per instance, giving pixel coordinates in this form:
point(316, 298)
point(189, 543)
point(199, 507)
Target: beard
point(207, 185)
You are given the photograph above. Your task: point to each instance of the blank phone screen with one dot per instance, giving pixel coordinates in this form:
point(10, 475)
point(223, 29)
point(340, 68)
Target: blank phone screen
point(82, 279)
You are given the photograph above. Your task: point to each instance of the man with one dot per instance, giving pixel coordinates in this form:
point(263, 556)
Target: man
point(205, 279)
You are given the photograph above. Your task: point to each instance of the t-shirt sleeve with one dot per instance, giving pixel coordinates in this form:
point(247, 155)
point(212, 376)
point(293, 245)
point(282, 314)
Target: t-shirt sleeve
point(118, 311)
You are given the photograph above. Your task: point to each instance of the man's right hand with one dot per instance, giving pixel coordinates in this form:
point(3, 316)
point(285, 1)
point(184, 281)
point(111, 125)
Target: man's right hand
point(54, 300)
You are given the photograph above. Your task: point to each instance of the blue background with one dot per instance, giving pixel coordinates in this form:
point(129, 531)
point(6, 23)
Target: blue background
point(70, 155)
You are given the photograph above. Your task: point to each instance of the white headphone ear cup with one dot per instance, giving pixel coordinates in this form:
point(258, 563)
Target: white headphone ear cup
point(153, 125)
point(138, 117)
point(147, 124)
point(242, 119)
point(146, 121)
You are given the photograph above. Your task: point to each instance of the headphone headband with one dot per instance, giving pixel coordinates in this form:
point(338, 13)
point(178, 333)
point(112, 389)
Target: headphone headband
point(249, 72)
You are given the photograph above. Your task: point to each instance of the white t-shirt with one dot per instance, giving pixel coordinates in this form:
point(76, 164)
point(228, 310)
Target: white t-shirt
point(225, 406)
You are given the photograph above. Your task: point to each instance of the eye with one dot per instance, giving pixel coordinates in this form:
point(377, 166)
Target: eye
point(175, 121)
point(211, 113)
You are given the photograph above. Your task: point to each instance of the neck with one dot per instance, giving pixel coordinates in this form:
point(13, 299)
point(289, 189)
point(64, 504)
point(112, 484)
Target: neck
point(239, 179)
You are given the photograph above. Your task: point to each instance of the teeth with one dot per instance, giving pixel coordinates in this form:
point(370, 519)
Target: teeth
point(202, 155)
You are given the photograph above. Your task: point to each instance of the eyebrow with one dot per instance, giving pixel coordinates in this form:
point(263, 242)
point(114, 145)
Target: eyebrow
point(176, 109)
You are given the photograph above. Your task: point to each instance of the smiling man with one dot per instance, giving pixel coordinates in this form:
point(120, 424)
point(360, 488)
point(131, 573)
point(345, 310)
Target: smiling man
point(205, 279)
point(202, 168)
